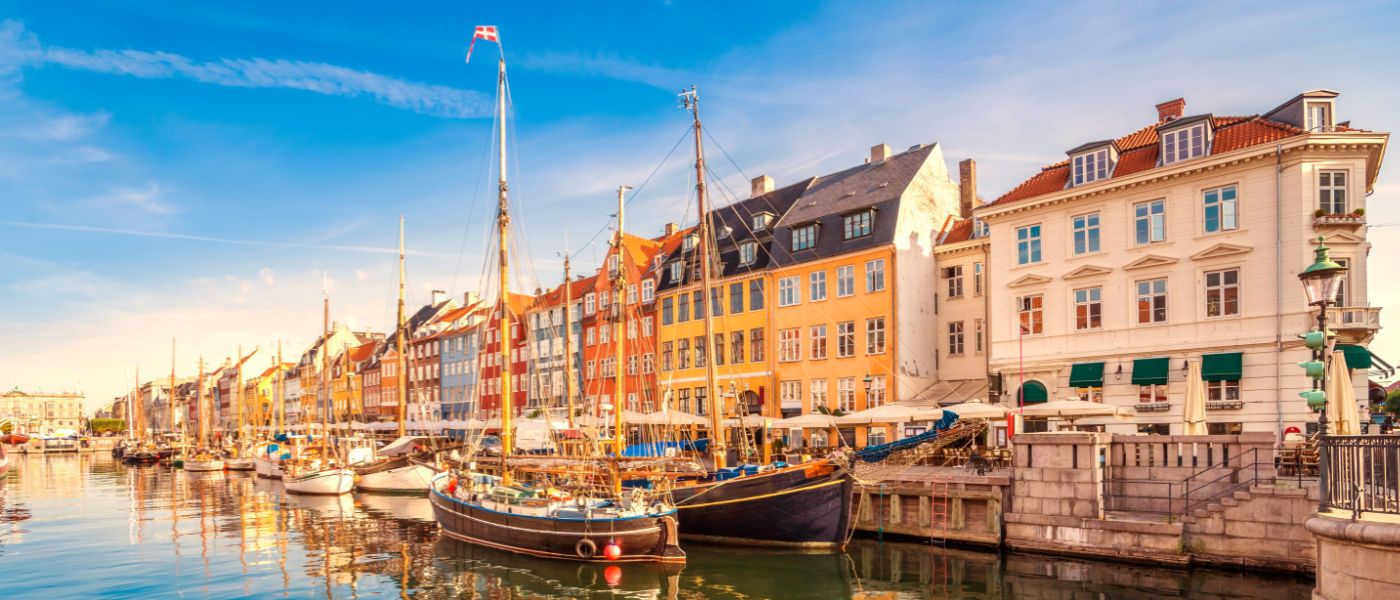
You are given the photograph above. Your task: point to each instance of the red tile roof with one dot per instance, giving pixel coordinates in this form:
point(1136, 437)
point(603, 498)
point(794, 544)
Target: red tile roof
point(959, 230)
point(363, 352)
point(1137, 152)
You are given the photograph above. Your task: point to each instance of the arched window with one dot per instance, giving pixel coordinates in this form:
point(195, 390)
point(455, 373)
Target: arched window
point(1033, 391)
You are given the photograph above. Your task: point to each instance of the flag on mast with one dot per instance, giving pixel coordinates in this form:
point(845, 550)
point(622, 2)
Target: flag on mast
point(483, 32)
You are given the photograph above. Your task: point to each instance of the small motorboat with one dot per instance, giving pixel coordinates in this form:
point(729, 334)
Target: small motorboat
point(318, 477)
point(203, 462)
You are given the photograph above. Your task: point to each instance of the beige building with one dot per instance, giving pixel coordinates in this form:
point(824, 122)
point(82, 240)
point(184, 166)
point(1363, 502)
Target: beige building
point(42, 413)
point(1181, 242)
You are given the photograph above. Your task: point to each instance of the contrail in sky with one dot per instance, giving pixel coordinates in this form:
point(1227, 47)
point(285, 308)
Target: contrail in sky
point(215, 240)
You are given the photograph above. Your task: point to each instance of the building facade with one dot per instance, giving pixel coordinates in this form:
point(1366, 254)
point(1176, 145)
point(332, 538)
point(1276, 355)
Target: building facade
point(42, 413)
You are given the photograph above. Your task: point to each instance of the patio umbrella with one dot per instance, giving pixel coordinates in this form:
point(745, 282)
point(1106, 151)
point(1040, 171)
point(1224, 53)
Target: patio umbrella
point(1074, 409)
point(807, 421)
point(1194, 410)
point(748, 421)
point(977, 409)
point(891, 413)
point(1341, 399)
point(665, 417)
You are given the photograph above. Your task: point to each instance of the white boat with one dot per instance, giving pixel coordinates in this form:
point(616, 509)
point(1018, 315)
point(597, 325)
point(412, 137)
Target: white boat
point(267, 461)
point(312, 478)
point(204, 465)
point(392, 468)
point(239, 464)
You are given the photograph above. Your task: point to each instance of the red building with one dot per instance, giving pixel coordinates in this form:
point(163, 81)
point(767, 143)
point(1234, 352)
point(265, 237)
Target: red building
point(637, 316)
point(491, 392)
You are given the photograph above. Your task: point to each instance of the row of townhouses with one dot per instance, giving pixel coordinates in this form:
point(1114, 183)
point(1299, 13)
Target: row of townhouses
point(1101, 276)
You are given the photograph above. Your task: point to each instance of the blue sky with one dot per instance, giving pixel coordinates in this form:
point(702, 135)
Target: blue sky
point(191, 169)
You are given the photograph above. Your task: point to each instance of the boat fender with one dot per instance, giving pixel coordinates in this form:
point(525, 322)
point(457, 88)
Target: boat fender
point(585, 548)
point(451, 486)
point(612, 551)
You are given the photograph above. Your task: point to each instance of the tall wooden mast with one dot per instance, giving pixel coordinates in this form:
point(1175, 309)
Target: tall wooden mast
point(238, 393)
point(691, 100)
point(281, 390)
point(568, 338)
point(137, 413)
point(503, 325)
point(325, 364)
point(171, 397)
point(619, 318)
point(403, 356)
point(199, 403)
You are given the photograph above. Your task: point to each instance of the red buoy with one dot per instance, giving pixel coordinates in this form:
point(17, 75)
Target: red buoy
point(612, 551)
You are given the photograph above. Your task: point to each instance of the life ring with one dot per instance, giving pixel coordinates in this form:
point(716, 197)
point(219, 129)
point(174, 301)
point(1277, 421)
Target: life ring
point(585, 548)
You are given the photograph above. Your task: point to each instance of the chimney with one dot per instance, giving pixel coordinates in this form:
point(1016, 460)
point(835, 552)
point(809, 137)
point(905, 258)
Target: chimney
point(967, 187)
point(1171, 109)
point(761, 185)
point(879, 152)
point(672, 228)
point(439, 297)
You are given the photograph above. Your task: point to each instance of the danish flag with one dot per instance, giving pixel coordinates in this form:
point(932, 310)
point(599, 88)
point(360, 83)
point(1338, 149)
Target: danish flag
point(483, 32)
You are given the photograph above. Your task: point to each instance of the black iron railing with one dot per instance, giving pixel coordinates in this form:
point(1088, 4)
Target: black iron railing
point(1361, 473)
point(1229, 474)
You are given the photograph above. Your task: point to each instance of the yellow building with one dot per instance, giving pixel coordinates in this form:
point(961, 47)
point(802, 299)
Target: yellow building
point(739, 304)
point(853, 284)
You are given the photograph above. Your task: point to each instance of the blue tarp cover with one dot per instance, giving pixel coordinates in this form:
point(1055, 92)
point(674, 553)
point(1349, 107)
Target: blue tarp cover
point(878, 453)
point(659, 448)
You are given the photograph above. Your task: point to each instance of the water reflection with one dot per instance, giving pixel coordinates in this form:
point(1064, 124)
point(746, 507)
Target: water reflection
point(84, 525)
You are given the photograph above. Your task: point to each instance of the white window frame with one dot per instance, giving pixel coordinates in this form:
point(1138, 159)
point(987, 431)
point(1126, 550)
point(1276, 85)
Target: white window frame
point(1156, 221)
point(956, 339)
point(1033, 316)
point(817, 336)
point(954, 275)
point(748, 253)
point(1089, 227)
point(845, 281)
point(816, 284)
point(874, 275)
point(790, 344)
point(1227, 209)
point(1091, 166)
point(1331, 189)
point(789, 293)
point(819, 393)
point(1185, 143)
point(1220, 289)
point(804, 237)
point(1150, 296)
point(1029, 250)
point(648, 290)
point(1091, 299)
point(846, 394)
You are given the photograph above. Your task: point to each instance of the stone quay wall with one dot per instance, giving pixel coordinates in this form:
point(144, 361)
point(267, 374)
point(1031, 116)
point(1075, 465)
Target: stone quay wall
point(1357, 560)
point(938, 504)
point(1167, 473)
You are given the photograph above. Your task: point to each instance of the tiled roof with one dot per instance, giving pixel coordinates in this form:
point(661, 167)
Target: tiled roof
point(1138, 152)
point(959, 230)
point(363, 351)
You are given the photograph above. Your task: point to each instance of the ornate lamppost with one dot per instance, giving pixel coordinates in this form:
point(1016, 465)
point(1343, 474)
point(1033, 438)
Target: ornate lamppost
point(1320, 281)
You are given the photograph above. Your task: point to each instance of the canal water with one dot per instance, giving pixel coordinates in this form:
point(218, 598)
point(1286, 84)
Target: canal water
point(86, 526)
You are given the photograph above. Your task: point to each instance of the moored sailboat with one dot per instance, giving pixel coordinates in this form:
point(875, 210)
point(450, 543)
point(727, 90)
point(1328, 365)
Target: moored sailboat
point(139, 451)
point(203, 459)
point(317, 470)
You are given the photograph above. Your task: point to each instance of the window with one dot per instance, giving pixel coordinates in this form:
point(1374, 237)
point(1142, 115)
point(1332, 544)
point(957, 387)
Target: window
point(683, 400)
point(1086, 233)
point(977, 341)
point(819, 397)
point(1152, 301)
point(1150, 222)
point(789, 345)
point(592, 369)
point(646, 326)
point(668, 314)
point(588, 303)
point(1152, 393)
point(846, 339)
point(1184, 143)
point(631, 365)
point(648, 290)
point(787, 291)
point(631, 330)
point(756, 344)
point(683, 354)
point(688, 243)
point(1236, 428)
point(736, 298)
point(875, 275)
point(700, 352)
point(1089, 394)
point(631, 294)
point(612, 266)
point(955, 338)
point(857, 225)
point(1318, 117)
point(876, 395)
point(589, 338)
point(875, 335)
point(1223, 293)
point(1223, 391)
point(818, 338)
point(1332, 192)
point(716, 302)
point(648, 363)
point(955, 283)
point(667, 354)
point(790, 394)
point(846, 394)
point(684, 308)
point(719, 349)
point(1343, 294)
point(1028, 244)
point(698, 299)
point(804, 237)
point(760, 221)
point(748, 253)
point(756, 294)
point(701, 406)
point(676, 271)
point(817, 286)
point(1221, 210)
point(736, 348)
point(977, 278)
point(845, 281)
point(1088, 308)
point(604, 334)
point(1031, 310)
point(1091, 167)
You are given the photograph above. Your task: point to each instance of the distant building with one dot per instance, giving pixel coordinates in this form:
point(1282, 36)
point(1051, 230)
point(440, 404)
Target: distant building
point(40, 412)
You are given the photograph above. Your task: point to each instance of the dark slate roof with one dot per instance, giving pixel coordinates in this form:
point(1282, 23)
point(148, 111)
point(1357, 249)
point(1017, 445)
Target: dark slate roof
point(738, 218)
point(831, 197)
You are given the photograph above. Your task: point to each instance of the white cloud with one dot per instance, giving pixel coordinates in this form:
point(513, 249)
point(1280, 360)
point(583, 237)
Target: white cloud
point(267, 276)
point(609, 66)
point(68, 127)
point(146, 200)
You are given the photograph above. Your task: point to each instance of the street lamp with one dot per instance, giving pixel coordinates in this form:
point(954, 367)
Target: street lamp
point(1320, 283)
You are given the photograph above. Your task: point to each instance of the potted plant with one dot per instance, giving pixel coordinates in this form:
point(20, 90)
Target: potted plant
point(1360, 212)
point(1319, 213)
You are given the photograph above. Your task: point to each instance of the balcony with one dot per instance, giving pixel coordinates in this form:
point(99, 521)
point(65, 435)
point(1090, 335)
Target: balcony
point(1224, 404)
point(1354, 220)
point(1355, 318)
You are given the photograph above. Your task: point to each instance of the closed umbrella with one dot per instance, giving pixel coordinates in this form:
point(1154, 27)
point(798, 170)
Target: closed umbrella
point(1194, 411)
point(1341, 399)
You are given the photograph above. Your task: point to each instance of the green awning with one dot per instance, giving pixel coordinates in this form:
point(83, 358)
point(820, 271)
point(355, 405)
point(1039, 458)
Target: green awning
point(1358, 357)
point(1086, 375)
point(1226, 366)
point(1034, 391)
point(1149, 371)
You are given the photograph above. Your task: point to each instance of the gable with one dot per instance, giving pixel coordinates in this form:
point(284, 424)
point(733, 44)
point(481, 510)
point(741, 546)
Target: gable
point(1150, 261)
point(1221, 250)
point(1031, 279)
point(1087, 271)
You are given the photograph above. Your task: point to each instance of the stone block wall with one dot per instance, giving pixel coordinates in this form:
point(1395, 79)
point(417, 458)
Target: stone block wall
point(1357, 560)
point(1154, 473)
point(963, 509)
point(1262, 528)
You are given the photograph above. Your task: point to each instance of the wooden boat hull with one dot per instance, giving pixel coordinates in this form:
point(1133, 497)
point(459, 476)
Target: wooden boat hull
point(239, 464)
point(268, 467)
point(203, 466)
point(399, 475)
point(140, 458)
point(643, 539)
point(805, 506)
point(325, 482)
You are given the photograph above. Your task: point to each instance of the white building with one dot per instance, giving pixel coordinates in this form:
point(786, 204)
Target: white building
point(1179, 242)
point(40, 412)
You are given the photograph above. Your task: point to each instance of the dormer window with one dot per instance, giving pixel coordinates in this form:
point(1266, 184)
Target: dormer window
point(980, 229)
point(1092, 166)
point(761, 220)
point(612, 266)
point(804, 237)
point(725, 231)
point(1318, 116)
point(689, 243)
point(1186, 141)
point(748, 253)
point(676, 271)
point(859, 224)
